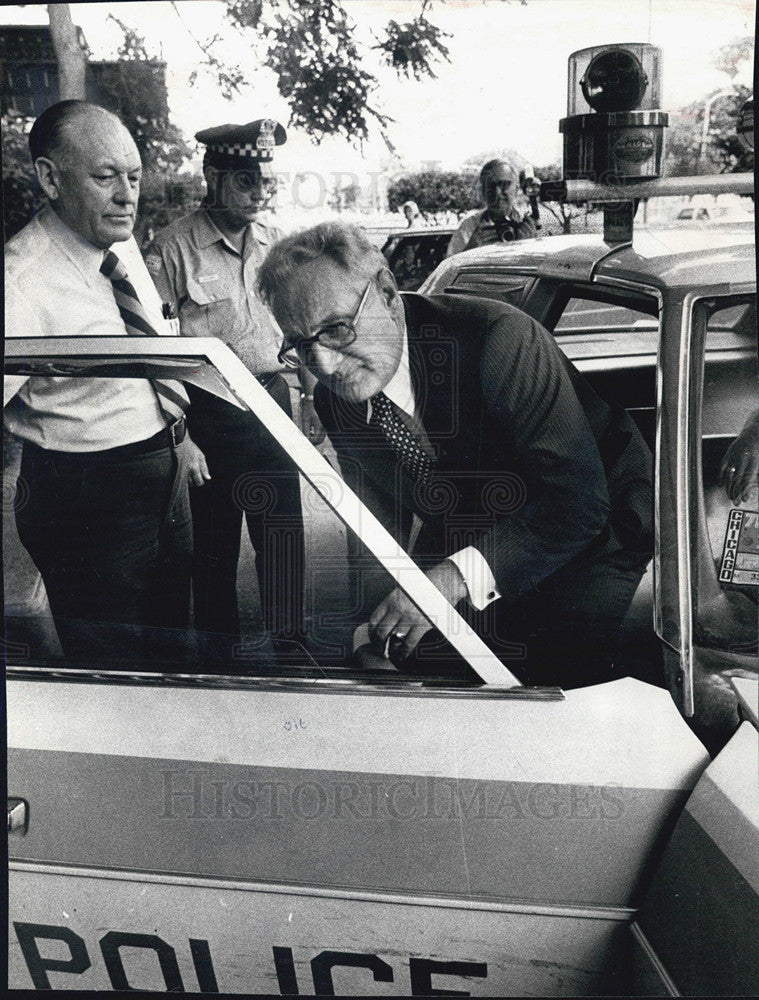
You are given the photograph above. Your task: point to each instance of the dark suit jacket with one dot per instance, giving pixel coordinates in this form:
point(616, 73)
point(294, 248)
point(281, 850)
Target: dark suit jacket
point(534, 469)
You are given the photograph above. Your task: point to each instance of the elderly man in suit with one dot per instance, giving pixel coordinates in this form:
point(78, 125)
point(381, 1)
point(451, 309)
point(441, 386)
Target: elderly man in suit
point(526, 498)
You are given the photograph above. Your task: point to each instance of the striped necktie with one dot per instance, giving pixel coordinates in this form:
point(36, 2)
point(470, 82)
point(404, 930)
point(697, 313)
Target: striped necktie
point(415, 460)
point(171, 394)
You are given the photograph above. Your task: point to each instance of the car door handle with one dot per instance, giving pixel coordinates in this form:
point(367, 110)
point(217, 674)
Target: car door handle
point(18, 816)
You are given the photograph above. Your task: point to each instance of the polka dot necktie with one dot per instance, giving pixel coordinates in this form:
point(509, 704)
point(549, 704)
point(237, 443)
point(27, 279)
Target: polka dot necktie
point(171, 394)
point(417, 462)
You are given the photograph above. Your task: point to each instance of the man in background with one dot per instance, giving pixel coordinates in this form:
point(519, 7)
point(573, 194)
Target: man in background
point(501, 220)
point(105, 513)
point(206, 266)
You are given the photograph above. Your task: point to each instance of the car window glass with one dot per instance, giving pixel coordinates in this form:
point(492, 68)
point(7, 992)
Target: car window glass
point(601, 317)
point(338, 592)
point(412, 258)
point(488, 285)
point(725, 529)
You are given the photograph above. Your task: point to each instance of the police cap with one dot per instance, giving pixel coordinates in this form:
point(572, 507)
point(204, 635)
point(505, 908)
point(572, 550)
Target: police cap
point(242, 146)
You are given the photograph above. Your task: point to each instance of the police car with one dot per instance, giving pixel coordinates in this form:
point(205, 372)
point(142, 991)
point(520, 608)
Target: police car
point(333, 832)
point(343, 832)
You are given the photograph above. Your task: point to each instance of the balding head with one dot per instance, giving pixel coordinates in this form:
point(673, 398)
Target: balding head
point(63, 123)
point(89, 167)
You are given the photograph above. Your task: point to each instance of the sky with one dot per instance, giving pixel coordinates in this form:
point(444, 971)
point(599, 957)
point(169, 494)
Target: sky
point(505, 85)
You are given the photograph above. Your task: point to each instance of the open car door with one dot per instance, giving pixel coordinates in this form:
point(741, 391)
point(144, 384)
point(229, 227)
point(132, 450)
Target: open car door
point(326, 830)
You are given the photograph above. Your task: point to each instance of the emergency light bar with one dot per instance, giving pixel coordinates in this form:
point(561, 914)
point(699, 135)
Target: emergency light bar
point(614, 131)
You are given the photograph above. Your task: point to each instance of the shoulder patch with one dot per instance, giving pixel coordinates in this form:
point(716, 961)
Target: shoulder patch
point(153, 262)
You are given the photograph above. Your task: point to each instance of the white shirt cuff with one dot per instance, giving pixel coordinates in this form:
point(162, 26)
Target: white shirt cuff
point(478, 576)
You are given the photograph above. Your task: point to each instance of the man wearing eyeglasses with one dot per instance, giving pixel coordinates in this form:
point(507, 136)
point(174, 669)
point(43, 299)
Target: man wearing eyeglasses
point(526, 498)
point(501, 220)
point(205, 268)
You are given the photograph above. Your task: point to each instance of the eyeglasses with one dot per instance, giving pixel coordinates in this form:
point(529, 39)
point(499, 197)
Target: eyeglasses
point(334, 336)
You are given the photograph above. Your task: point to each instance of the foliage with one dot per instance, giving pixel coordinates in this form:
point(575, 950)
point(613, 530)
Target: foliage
point(319, 70)
point(722, 152)
point(562, 212)
point(412, 48)
point(435, 191)
point(320, 66)
point(21, 196)
point(135, 87)
point(163, 199)
point(345, 198)
point(731, 55)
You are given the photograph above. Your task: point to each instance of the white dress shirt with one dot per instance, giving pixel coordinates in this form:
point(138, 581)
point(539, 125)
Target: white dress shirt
point(54, 288)
point(471, 563)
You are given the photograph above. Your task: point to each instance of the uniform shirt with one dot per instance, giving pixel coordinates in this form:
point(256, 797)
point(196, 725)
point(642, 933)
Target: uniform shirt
point(54, 288)
point(471, 563)
point(213, 287)
point(525, 228)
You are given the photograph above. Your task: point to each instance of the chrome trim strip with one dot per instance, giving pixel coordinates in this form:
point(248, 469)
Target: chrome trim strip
point(682, 506)
point(586, 190)
point(621, 914)
point(348, 682)
point(655, 962)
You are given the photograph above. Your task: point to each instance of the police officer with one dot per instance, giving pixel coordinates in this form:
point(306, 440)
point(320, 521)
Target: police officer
point(204, 265)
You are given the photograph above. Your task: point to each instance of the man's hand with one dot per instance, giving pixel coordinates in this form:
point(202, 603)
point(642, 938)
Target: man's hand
point(398, 615)
point(197, 469)
point(738, 472)
point(309, 421)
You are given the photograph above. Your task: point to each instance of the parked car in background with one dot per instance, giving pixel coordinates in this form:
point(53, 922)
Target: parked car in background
point(415, 253)
point(702, 216)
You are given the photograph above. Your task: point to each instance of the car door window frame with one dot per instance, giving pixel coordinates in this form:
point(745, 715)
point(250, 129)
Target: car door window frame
point(193, 359)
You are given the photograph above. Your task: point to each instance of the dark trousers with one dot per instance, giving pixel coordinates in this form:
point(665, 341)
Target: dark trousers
point(110, 532)
point(251, 474)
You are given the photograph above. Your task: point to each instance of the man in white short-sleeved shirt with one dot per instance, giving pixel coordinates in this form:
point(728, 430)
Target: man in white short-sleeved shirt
point(105, 461)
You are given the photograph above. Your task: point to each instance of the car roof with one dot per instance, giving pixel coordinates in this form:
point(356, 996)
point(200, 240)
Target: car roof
point(427, 231)
point(662, 258)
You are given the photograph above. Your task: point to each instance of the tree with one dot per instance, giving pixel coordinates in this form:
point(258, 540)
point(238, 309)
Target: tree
point(135, 88)
point(562, 212)
point(319, 63)
point(345, 198)
point(71, 58)
point(21, 196)
point(722, 152)
point(312, 48)
point(435, 191)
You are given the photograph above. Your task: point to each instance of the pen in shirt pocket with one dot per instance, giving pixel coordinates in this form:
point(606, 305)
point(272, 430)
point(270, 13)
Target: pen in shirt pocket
point(170, 315)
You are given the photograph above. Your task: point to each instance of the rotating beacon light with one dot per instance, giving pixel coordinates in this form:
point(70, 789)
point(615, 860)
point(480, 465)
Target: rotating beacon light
point(614, 132)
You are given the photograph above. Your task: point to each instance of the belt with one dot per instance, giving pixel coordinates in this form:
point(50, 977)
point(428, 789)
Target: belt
point(168, 437)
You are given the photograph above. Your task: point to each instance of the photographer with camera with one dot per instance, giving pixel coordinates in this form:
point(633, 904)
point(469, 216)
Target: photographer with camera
point(501, 220)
